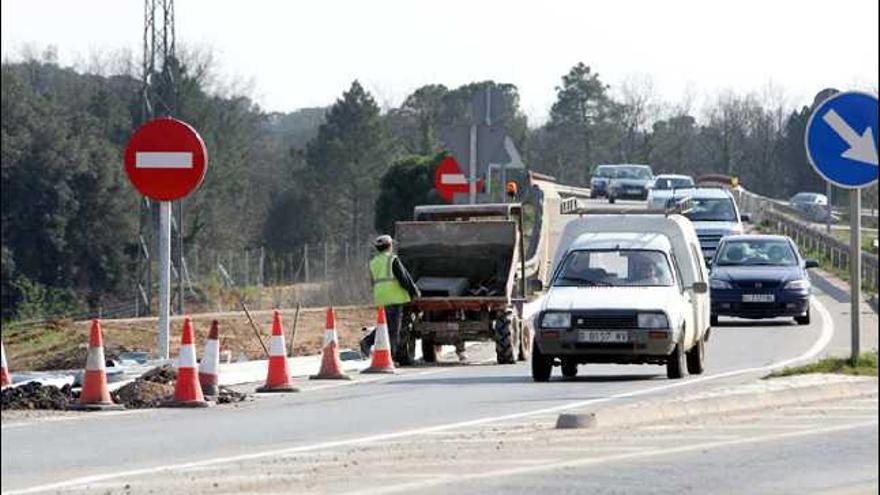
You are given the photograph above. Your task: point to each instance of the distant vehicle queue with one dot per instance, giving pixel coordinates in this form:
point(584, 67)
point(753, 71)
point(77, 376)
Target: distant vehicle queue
point(646, 286)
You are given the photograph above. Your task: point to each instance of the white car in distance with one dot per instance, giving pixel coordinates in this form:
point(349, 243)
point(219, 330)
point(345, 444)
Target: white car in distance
point(664, 186)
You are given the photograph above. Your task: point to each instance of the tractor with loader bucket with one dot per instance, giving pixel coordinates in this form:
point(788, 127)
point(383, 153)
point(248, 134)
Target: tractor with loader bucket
point(468, 263)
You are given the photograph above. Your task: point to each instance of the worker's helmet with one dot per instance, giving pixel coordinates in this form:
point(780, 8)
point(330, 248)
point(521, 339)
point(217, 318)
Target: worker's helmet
point(382, 242)
point(511, 188)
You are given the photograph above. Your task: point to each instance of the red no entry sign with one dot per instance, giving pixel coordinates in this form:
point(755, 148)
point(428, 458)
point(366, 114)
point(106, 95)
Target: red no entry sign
point(449, 179)
point(166, 159)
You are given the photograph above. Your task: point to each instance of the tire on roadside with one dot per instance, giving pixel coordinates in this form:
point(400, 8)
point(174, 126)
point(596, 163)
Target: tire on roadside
point(803, 320)
point(542, 366)
point(506, 339)
point(569, 368)
point(429, 350)
point(405, 354)
point(675, 363)
point(696, 358)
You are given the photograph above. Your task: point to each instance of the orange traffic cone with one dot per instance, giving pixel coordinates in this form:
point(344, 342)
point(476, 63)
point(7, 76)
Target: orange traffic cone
point(210, 362)
point(187, 392)
point(331, 366)
point(5, 380)
point(95, 396)
point(381, 362)
point(278, 376)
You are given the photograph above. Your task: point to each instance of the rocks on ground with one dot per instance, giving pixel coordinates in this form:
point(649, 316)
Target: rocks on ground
point(35, 395)
point(143, 393)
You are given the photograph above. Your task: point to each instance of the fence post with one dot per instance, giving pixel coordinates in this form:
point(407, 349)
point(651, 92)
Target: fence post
point(247, 268)
point(306, 261)
point(325, 261)
point(262, 263)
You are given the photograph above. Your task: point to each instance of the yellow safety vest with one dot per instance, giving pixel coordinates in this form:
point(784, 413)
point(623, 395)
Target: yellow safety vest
point(387, 291)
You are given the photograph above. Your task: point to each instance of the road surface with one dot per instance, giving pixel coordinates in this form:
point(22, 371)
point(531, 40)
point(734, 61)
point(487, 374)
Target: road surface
point(327, 420)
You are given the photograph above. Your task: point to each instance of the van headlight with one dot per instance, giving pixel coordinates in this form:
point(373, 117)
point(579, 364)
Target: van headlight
point(653, 320)
point(556, 320)
point(798, 285)
point(719, 284)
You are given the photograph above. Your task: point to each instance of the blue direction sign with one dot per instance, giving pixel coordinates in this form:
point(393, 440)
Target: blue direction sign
point(841, 139)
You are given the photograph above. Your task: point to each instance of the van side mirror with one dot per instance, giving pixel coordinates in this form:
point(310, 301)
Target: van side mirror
point(700, 287)
point(811, 264)
point(536, 285)
point(745, 217)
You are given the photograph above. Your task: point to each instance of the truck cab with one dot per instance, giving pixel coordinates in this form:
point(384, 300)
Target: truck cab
point(628, 288)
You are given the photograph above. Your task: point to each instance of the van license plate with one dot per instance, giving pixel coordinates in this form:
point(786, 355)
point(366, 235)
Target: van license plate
point(603, 336)
point(759, 298)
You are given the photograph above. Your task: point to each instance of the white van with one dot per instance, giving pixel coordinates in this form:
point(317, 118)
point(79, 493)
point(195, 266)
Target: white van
point(628, 287)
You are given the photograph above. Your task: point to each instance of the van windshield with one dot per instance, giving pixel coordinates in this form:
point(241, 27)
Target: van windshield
point(614, 268)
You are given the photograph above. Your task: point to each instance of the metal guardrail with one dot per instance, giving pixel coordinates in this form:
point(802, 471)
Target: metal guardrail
point(785, 220)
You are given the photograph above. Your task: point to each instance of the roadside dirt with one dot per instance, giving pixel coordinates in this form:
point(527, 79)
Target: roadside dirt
point(36, 396)
point(63, 344)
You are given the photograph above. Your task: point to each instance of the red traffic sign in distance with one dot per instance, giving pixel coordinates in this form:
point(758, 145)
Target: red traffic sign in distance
point(166, 159)
point(449, 179)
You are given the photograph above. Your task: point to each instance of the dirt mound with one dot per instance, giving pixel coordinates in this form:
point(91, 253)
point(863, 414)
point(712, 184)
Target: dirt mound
point(143, 393)
point(229, 396)
point(165, 374)
point(34, 395)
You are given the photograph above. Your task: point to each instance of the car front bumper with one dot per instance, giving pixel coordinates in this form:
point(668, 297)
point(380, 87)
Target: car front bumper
point(642, 346)
point(785, 303)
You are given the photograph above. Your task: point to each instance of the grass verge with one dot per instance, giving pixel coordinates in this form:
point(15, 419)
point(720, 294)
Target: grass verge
point(865, 365)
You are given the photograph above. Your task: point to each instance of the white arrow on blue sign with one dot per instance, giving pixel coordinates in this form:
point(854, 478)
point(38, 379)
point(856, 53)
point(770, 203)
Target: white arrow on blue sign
point(841, 139)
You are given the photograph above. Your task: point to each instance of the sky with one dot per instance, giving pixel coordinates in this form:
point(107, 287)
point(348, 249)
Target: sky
point(294, 54)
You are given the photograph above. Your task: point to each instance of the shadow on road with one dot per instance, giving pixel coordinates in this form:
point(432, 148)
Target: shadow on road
point(735, 324)
point(463, 380)
point(608, 378)
point(483, 380)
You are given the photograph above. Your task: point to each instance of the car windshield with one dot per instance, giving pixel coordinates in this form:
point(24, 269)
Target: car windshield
point(614, 268)
point(710, 210)
point(757, 252)
point(638, 173)
point(604, 172)
point(673, 183)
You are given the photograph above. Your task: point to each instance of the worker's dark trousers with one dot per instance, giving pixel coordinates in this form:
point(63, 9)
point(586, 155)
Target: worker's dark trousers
point(392, 317)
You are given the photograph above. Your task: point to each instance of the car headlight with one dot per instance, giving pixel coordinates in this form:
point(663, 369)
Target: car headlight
point(653, 320)
point(719, 284)
point(556, 320)
point(798, 285)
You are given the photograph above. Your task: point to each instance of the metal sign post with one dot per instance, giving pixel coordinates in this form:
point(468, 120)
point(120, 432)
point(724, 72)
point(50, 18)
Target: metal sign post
point(841, 144)
point(165, 159)
point(164, 276)
point(855, 266)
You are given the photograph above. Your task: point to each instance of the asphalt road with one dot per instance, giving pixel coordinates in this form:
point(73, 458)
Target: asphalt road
point(93, 449)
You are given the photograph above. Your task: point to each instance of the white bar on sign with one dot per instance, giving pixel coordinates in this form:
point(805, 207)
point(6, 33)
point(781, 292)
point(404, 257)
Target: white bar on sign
point(162, 159)
point(453, 179)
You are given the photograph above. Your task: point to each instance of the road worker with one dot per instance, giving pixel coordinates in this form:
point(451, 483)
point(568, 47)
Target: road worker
point(392, 288)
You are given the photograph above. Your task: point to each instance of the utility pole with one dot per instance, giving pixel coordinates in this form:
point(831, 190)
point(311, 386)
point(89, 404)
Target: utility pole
point(159, 99)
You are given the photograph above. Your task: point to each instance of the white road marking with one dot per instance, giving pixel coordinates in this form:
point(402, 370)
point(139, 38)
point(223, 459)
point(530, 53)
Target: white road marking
point(553, 466)
point(159, 159)
point(827, 332)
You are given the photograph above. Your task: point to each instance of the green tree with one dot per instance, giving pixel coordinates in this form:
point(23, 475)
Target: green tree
point(579, 131)
point(344, 163)
point(408, 183)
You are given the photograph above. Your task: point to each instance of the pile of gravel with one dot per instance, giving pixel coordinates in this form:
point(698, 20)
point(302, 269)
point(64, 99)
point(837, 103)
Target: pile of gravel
point(34, 395)
point(141, 394)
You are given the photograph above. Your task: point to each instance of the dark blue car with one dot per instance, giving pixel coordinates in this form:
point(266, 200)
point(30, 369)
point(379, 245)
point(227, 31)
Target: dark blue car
point(760, 276)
